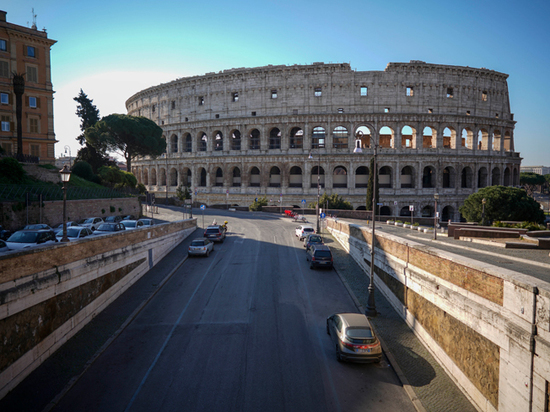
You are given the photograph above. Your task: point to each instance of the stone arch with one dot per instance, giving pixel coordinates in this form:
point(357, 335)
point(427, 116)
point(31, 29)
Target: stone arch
point(427, 211)
point(188, 143)
point(407, 177)
point(449, 177)
point(236, 177)
point(275, 138)
point(173, 180)
point(482, 176)
point(467, 138)
point(495, 176)
point(254, 140)
point(386, 136)
point(429, 177)
point(429, 137)
point(466, 177)
point(274, 176)
point(255, 177)
point(153, 176)
point(146, 177)
point(318, 137)
point(340, 137)
point(296, 138)
point(219, 177)
point(385, 211)
point(408, 137)
point(186, 177)
point(497, 140)
point(202, 177)
point(363, 135)
point(202, 142)
point(405, 211)
point(385, 177)
point(449, 138)
point(447, 213)
point(362, 177)
point(295, 177)
point(317, 172)
point(235, 140)
point(162, 177)
point(507, 181)
point(339, 177)
point(483, 139)
point(218, 140)
point(174, 143)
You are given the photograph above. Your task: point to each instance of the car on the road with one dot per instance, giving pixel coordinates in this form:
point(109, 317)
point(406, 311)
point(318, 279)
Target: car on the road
point(354, 338)
point(147, 221)
point(132, 224)
point(200, 246)
point(113, 219)
point(108, 228)
point(215, 233)
point(37, 226)
point(92, 222)
point(75, 233)
point(303, 230)
point(319, 256)
point(312, 239)
point(24, 239)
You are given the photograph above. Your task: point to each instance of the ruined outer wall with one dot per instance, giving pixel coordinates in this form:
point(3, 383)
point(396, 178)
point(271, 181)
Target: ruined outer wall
point(48, 294)
point(487, 326)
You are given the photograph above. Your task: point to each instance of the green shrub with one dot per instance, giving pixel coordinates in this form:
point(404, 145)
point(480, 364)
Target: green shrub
point(11, 171)
point(83, 170)
point(258, 204)
point(112, 209)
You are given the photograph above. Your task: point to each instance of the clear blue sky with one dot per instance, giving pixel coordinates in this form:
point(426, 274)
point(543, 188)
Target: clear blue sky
point(113, 49)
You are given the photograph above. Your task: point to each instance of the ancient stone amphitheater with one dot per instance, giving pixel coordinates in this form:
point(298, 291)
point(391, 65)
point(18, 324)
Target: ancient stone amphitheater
point(277, 131)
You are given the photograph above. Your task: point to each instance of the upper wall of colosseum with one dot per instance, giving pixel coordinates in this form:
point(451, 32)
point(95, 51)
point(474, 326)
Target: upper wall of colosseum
point(402, 88)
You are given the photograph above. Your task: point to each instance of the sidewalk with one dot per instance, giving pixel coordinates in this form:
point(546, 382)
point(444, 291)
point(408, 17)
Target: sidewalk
point(424, 379)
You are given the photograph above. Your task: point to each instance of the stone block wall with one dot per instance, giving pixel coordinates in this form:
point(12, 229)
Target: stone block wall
point(488, 327)
point(48, 294)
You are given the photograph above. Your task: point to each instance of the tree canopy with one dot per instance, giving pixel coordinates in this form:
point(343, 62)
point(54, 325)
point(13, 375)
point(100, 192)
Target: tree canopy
point(530, 181)
point(502, 203)
point(335, 201)
point(128, 135)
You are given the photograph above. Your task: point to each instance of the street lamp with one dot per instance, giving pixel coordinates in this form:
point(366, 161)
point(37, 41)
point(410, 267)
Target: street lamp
point(370, 311)
point(483, 201)
point(318, 186)
point(65, 176)
point(436, 198)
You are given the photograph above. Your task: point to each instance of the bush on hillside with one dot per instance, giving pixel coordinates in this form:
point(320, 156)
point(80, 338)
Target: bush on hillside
point(83, 170)
point(11, 171)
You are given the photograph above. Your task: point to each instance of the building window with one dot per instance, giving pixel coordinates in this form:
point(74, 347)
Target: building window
point(31, 51)
point(274, 93)
point(32, 102)
point(173, 104)
point(33, 125)
point(235, 96)
point(467, 112)
point(4, 98)
point(364, 90)
point(340, 110)
point(430, 111)
point(35, 150)
point(5, 123)
point(32, 74)
point(386, 109)
point(217, 116)
point(153, 108)
point(3, 45)
point(484, 96)
point(201, 100)
point(496, 115)
point(410, 91)
point(450, 92)
point(253, 113)
point(318, 92)
point(4, 69)
point(7, 148)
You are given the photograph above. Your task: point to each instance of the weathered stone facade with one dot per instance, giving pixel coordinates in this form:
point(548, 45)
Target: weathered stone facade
point(277, 130)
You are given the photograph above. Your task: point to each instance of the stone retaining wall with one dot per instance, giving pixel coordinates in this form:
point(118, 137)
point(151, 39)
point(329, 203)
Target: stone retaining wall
point(48, 294)
point(488, 327)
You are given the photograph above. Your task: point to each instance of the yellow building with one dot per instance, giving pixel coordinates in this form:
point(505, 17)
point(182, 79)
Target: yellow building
point(26, 50)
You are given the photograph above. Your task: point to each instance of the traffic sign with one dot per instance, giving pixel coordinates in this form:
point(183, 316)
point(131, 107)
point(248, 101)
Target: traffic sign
point(304, 201)
point(203, 207)
point(323, 215)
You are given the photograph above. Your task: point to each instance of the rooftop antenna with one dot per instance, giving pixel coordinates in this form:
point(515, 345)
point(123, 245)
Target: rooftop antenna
point(33, 20)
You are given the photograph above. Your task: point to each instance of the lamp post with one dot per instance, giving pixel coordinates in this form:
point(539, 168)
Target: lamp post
point(436, 198)
point(483, 201)
point(370, 311)
point(318, 188)
point(65, 176)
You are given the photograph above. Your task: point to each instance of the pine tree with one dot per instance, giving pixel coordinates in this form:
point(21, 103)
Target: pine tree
point(88, 113)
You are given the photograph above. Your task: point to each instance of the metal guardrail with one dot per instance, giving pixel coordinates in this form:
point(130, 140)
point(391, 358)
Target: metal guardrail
point(20, 193)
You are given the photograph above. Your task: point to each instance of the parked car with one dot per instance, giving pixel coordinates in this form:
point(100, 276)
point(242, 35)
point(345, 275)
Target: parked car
point(92, 222)
point(24, 239)
point(60, 226)
point(215, 233)
point(3, 246)
point(113, 219)
point(132, 224)
point(201, 246)
point(107, 228)
point(312, 239)
point(4, 233)
point(129, 217)
point(303, 230)
point(75, 233)
point(319, 256)
point(147, 221)
point(354, 338)
point(37, 226)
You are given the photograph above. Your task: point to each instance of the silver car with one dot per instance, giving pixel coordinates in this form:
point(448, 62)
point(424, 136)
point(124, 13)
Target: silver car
point(353, 338)
point(201, 246)
point(75, 233)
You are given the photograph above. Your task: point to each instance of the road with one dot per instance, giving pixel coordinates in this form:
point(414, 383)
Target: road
point(241, 330)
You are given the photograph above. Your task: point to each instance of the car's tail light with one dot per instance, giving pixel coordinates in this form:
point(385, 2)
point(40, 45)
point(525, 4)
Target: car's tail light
point(353, 347)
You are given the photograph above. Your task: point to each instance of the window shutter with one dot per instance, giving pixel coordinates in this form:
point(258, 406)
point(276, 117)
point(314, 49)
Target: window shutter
point(38, 102)
point(12, 127)
point(27, 101)
point(10, 98)
point(24, 50)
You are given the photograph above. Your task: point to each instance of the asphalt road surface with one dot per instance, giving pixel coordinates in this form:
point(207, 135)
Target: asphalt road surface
point(241, 330)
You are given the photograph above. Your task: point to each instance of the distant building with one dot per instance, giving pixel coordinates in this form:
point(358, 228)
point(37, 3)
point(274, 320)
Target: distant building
point(26, 50)
point(540, 170)
point(64, 160)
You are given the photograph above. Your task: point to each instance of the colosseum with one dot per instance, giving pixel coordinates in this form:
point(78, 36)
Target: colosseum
point(285, 132)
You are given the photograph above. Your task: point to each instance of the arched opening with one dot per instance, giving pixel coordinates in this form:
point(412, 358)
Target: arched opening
point(174, 143)
point(408, 137)
point(386, 137)
point(219, 177)
point(317, 172)
point(449, 138)
point(235, 140)
point(362, 135)
point(203, 177)
point(466, 178)
point(385, 211)
point(236, 177)
point(495, 177)
point(187, 179)
point(407, 177)
point(275, 138)
point(295, 177)
point(146, 177)
point(362, 177)
point(483, 140)
point(162, 177)
point(507, 141)
point(188, 143)
point(448, 177)
point(467, 139)
point(361, 208)
point(340, 137)
point(173, 177)
point(254, 140)
point(428, 177)
point(218, 140)
point(275, 177)
point(255, 177)
point(384, 177)
point(429, 138)
point(497, 140)
point(296, 138)
point(203, 141)
point(154, 177)
point(515, 177)
point(507, 176)
point(318, 138)
point(447, 214)
point(339, 177)
point(482, 177)
point(405, 211)
point(427, 211)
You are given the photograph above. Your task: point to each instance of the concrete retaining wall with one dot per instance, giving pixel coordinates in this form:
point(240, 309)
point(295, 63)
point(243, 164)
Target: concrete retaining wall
point(488, 327)
point(48, 294)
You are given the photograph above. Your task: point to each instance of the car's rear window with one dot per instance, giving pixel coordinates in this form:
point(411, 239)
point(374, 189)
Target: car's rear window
point(212, 231)
point(308, 229)
point(360, 335)
point(24, 237)
point(315, 239)
point(197, 243)
point(322, 253)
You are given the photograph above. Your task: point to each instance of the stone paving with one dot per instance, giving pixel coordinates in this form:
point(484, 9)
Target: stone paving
point(432, 386)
